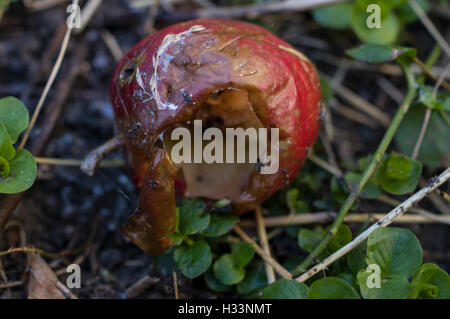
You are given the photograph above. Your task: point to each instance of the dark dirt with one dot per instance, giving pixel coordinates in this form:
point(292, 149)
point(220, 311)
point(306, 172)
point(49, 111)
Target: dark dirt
point(65, 208)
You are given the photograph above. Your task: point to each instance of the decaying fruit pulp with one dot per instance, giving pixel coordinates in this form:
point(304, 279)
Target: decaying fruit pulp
point(228, 74)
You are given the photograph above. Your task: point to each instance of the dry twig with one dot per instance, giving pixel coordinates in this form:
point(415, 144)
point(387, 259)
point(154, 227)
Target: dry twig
point(262, 235)
point(276, 266)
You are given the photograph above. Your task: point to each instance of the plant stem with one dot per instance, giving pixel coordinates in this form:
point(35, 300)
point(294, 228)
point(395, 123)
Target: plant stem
point(368, 172)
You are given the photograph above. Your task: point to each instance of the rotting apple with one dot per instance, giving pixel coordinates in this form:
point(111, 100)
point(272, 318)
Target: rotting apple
point(227, 74)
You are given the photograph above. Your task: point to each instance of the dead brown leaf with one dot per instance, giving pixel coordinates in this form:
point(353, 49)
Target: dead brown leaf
point(43, 283)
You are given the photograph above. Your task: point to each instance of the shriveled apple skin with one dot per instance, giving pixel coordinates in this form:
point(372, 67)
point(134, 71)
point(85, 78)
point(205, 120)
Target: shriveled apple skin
point(193, 60)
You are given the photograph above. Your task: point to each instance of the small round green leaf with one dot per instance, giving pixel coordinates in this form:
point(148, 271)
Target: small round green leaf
point(193, 217)
point(395, 287)
point(242, 254)
point(193, 260)
point(23, 170)
point(370, 190)
point(226, 271)
point(332, 288)
point(435, 148)
point(285, 289)
point(398, 167)
point(254, 280)
point(220, 224)
point(336, 16)
point(342, 237)
point(4, 167)
point(396, 250)
point(430, 282)
point(213, 283)
point(356, 259)
point(386, 34)
point(7, 150)
point(309, 239)
point(399, 175)
point(15, 116)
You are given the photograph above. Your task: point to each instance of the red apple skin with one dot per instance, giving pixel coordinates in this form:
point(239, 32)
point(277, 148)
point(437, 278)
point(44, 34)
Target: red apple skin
point(218, 54)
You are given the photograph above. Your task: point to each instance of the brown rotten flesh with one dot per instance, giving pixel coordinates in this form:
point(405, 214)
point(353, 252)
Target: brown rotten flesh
point(228, 74)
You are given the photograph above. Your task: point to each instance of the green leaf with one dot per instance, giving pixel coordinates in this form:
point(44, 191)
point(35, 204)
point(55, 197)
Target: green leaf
point(292, 198)
point(242, 253)
point(15, 116)
point(220, 224)
point(226, 271)
point(193, 260)
point(309, 239)
point(213, 283)
point(385, 6)
point(430, 282)
point(4, 167)
point(435, 149)
point(348, 278)
point(254, 280)
point(356, 259)
point(370, 190)
point(396, 287)
point(336, 16)
point(398, 167)
point(378, 53)
point(396, 250)
point(193, 217)
point(177, 239)
point(386, 34)
point(439, 101)
point(342, 238)
point(23, 170)
point(427, 98)
point(7, 151)
point(332, 288)
point(285, 289)
point(399, 175)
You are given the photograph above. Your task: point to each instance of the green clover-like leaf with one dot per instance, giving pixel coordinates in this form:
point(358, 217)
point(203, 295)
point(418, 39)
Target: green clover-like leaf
point(226, 271)
point(14, 115)
point(193, 217)
point(430, 282)
point(285, 289)
point(356, 259)
point(399, 175)
point(255, 279)
point(370, 190)
point(435, 149)
point(23, 170)
point(394, 287)
point(7, 150)
point(242, 253)
point(386, 34)
point(336, 16)
point(332, 288)
point(342, 238)
point(193, 260)
point(220, 224)
point(213, 283)
point(4, 167)
point(395, 250)
point(309, 239)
